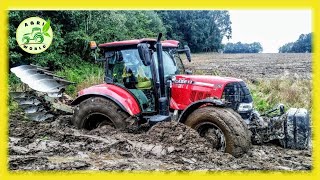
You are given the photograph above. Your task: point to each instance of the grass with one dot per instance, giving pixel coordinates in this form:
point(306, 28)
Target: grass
point(84, 75)
point(290, 92)
point(15, 84)
point(13, 106)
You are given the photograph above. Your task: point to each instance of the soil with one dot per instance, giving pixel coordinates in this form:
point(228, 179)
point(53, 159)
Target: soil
point(57, 145)
point(253, 66)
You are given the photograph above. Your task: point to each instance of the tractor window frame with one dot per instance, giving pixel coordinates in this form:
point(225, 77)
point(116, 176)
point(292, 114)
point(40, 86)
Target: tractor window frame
point(179, 63)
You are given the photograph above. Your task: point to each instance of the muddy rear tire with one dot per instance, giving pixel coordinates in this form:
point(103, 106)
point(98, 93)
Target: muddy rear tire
point(230, 131)
point(97, 111)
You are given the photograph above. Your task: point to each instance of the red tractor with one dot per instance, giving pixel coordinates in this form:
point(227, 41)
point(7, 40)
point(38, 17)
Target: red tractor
point(146, 83)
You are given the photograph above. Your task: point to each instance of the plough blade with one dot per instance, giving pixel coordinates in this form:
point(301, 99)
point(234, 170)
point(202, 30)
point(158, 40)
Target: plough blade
point(27, 101)
point(40, 79)
point(20, 94)
point(40, 104)
point(39, 116)
point(31, 108)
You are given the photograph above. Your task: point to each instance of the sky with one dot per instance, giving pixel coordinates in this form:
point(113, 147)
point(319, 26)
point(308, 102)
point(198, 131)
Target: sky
point(272, 28)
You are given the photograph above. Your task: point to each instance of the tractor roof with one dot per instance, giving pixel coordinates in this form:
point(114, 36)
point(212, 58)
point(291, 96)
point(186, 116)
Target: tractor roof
point(117, 44)
point(170, 43)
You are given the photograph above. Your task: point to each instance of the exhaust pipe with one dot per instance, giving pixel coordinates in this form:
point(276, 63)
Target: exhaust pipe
point(163, 100)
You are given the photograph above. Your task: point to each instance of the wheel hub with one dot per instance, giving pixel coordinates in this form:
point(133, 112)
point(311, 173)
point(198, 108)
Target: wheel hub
point(95, 120)
point(212, 134)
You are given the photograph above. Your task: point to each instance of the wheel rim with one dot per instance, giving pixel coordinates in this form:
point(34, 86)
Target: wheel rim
point(95, 120)
point(213, 134)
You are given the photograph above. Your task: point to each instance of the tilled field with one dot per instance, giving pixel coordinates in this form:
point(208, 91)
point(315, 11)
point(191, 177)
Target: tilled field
point(57, 145)
point(253, 66)
point(166, 146)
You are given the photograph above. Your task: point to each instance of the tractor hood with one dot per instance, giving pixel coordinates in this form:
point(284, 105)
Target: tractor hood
point(204, 81)
point(187, 89)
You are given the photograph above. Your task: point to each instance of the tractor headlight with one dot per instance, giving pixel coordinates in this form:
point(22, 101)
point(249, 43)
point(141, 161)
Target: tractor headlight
point(244, 107)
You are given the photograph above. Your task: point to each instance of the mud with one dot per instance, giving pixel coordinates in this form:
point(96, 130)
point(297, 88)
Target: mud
point(253, 66)
point(57, 145)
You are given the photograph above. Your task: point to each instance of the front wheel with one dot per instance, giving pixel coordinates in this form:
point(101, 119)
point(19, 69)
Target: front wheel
point(297, 129)
point(98, 111)
point(223, 128)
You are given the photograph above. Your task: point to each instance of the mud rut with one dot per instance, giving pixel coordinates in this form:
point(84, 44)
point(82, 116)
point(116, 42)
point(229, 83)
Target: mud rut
point(57, 145)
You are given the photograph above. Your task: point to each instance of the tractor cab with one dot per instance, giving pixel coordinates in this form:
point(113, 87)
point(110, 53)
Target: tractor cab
point(124, 67)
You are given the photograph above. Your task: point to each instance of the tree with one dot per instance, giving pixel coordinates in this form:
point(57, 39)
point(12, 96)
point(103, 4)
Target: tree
point(203, 31)
point(302, 45)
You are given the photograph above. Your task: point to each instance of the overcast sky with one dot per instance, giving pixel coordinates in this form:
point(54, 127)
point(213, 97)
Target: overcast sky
point(272, 28)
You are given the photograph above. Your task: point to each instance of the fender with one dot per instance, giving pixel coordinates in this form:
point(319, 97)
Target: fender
point(197, 104)
point(122, 97)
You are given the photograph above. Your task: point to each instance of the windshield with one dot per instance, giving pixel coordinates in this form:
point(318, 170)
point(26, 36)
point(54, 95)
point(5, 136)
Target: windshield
point(169, 65)
point(127, 63)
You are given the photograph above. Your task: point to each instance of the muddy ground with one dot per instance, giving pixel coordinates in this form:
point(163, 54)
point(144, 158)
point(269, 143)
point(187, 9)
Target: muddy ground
point(57, 145)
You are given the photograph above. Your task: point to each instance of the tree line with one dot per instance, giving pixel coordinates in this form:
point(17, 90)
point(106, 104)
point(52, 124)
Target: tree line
point(301, 45)
point(203, 31)
point(239, 47)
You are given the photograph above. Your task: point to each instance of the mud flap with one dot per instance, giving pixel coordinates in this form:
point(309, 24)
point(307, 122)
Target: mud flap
point(297, 129)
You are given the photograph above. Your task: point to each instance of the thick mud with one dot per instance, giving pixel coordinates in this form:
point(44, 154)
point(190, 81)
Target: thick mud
point(57, 145)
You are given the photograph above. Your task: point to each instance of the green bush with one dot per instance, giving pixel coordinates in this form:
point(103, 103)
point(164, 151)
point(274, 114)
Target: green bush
point(268, 93)
point(81, 74)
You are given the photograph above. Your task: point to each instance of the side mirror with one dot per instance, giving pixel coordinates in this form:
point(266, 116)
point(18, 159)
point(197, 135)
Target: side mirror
point(144, 53)
point(188, 52)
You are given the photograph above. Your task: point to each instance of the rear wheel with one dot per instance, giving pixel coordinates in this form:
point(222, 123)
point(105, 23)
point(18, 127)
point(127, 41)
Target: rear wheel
point(223, 128)
point(98, 111)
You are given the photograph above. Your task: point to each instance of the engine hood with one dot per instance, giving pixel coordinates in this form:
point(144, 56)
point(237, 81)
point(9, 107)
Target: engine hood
point(204, 80)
